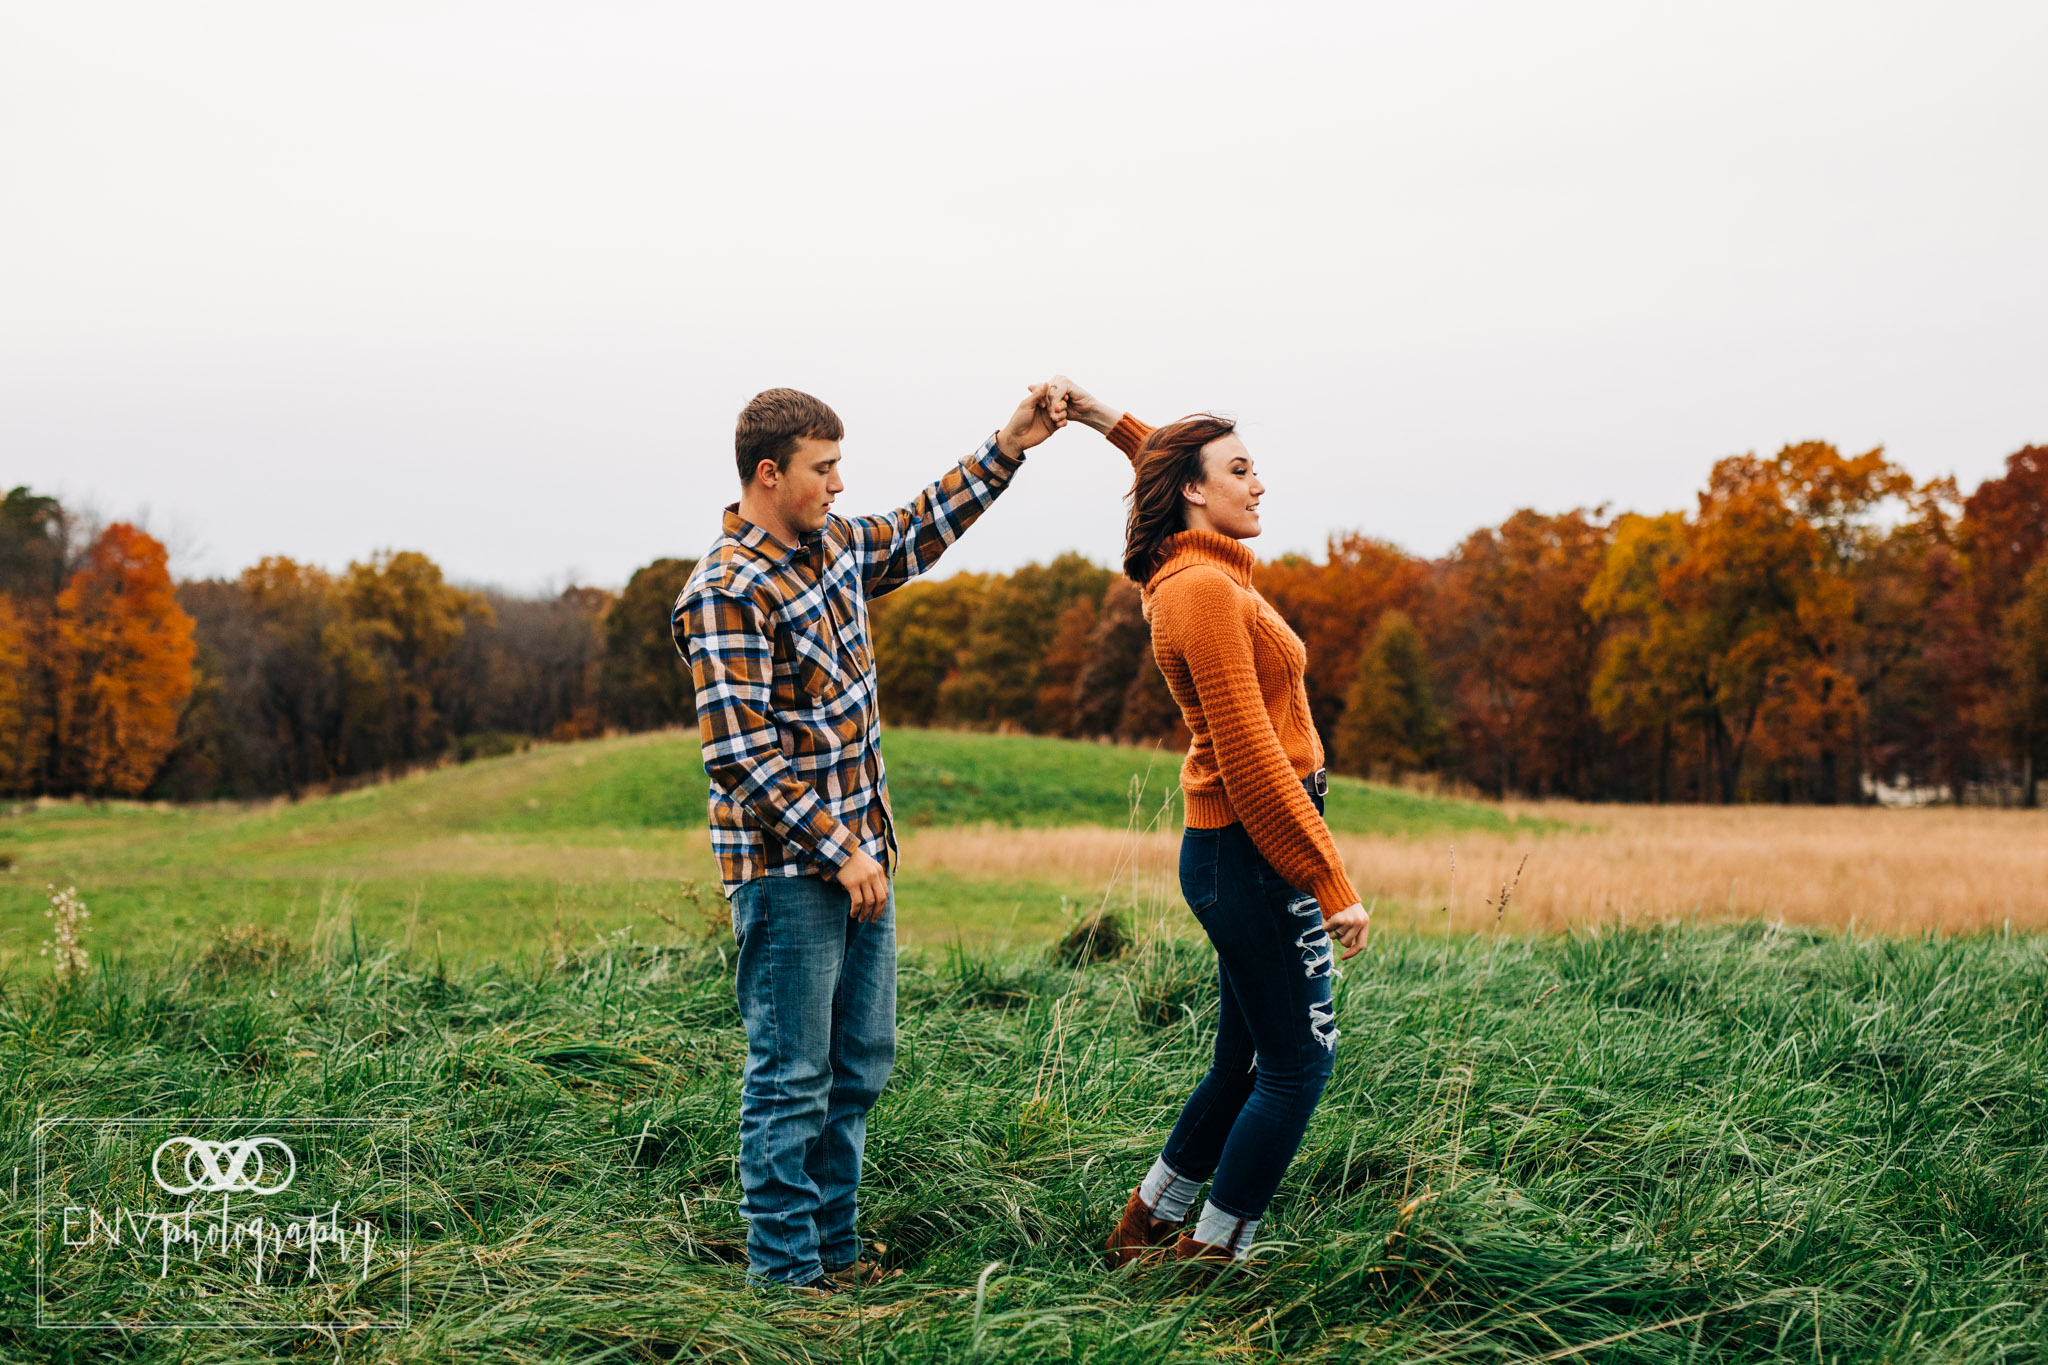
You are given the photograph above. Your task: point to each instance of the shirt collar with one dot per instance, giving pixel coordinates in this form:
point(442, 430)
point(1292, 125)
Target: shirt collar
point(755, 538)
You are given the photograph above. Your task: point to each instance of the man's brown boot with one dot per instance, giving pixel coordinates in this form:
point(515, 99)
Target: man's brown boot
point(865, 1270)
point(1139, 1236)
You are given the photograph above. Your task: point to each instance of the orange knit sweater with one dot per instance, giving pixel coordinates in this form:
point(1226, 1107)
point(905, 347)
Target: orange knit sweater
point(1236, 669)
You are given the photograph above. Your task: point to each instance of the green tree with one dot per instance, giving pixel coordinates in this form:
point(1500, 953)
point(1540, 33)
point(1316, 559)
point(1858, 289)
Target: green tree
point(1391, 719)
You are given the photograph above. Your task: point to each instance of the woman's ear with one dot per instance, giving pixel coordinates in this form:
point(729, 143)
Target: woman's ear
point(1193, 493)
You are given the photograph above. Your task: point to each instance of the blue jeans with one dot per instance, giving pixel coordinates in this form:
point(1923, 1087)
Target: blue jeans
point(1276, 1029)
point(817, 992)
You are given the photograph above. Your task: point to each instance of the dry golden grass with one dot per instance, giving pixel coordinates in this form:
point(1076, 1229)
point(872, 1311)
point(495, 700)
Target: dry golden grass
point(1895, 872)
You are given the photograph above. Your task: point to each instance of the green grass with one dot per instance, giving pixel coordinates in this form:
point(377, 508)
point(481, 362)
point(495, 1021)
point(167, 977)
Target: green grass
point(1679, 1145)
point(571, 841)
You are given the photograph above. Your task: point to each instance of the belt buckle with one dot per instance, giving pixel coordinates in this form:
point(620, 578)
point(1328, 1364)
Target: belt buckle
point(1319, 781)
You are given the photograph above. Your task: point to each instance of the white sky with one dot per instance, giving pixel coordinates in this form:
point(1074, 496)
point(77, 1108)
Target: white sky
point(492, 280)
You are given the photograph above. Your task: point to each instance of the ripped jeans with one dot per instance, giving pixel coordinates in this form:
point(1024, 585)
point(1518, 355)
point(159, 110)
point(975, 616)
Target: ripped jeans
point(1276, 1029)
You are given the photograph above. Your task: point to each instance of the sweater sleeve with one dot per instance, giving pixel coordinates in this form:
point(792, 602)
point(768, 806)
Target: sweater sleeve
point(1127, 435)
point(1207, 621)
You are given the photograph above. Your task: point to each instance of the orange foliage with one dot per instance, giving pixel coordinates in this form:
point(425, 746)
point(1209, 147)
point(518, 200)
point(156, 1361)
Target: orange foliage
point(2004, 528)
point(1761, 621)
point(125, 653)
point(1517, 648)
point(14, 696)
point(1335, 605)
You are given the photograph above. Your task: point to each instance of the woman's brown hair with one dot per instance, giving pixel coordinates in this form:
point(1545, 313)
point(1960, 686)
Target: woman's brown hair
point(1170, 460)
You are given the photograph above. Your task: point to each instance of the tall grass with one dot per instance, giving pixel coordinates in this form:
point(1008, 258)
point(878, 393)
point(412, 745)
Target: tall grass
point(1673, 1144)
point(1951, 871)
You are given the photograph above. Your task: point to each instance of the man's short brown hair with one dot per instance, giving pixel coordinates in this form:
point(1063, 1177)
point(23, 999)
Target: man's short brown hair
point(772, 423)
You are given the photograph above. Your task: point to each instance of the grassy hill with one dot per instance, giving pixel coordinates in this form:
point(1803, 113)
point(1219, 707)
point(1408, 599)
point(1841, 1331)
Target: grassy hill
point(563, 842)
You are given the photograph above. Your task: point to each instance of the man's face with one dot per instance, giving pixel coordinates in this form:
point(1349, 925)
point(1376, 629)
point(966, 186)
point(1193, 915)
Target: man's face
point(803, 492)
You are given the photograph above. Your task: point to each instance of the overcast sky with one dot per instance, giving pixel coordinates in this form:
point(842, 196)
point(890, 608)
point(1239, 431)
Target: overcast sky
point(491, 281)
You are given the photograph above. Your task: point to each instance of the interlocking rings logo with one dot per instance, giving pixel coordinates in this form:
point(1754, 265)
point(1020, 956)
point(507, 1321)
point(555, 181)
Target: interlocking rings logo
point(216, 1179)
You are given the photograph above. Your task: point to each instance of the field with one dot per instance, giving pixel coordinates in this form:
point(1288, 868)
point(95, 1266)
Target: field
point(563, 843)
point(1700, 1118)
point(1006, 840)
point(1898, 872)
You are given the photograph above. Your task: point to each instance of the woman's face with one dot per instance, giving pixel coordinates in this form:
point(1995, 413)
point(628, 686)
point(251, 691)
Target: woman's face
point(1227, 498)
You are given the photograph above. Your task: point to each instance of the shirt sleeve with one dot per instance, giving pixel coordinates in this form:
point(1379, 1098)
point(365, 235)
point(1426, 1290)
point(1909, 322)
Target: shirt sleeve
point(733, 667)
point(895, 547)
point(1264, 792)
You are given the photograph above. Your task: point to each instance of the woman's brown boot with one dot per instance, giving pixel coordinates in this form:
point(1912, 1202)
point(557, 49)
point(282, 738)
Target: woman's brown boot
point(1139, 1236)
point(1206, 1255)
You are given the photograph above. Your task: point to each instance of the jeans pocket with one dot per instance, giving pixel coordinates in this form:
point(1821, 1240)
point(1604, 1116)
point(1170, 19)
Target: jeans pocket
point(1199, 850)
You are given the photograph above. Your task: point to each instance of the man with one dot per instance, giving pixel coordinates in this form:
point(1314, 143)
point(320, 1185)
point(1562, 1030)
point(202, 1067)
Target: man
point(774, 624)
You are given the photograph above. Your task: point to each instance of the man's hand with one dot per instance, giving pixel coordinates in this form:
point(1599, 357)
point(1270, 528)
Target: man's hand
point(866, 883)
point(1036, 418)
point(1082, 406)
point(1351, 926)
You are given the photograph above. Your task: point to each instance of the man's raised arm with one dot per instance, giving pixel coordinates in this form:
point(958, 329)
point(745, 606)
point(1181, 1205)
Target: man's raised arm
point(897, 546)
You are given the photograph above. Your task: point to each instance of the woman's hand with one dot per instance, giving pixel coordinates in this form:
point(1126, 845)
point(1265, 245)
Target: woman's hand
point(1351, 926)
point(1083, 406)
point(1040, 414)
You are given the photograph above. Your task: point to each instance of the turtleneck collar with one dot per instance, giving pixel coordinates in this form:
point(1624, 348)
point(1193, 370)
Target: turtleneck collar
point(1187, 548)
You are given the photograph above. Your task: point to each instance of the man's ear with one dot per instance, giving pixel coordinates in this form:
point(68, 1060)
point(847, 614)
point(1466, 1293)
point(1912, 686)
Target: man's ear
point(766, 474)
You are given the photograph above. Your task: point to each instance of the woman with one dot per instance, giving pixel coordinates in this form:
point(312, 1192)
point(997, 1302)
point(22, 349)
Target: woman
point(1256, 862)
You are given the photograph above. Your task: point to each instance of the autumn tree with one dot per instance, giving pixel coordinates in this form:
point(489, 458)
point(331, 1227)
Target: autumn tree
point(1391, 719)
point(38, 549)
point(1651, 670)
point(1761, 619)
point(1066, 659)
point(401, 621)
point(124, 661)
point(1149, 710)
point(1001, 663)
point(14, 694)
point(645, 683)
point(1518, 648)
point(1334, 604)
point(918, 633)
point(2004, 529)
point(2003, 535)
point(299, 614)
point(529, 666)
point(1117, 644)
point(2025, 661)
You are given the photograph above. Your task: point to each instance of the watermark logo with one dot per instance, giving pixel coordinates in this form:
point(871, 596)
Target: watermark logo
point(258, 1223)
point(214, 1178)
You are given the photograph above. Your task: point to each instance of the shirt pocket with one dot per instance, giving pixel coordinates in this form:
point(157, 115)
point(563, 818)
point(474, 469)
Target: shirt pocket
point(811, 670)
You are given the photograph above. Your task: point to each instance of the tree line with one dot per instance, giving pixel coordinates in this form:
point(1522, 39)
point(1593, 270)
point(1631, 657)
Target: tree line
point(1819, 627)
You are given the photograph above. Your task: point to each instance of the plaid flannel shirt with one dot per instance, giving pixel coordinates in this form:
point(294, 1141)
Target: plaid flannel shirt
point(778, 647)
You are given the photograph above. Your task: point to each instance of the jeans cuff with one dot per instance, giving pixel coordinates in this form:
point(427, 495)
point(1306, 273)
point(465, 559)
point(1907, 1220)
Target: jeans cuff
point(756, 1280)
point(1222, 1207)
